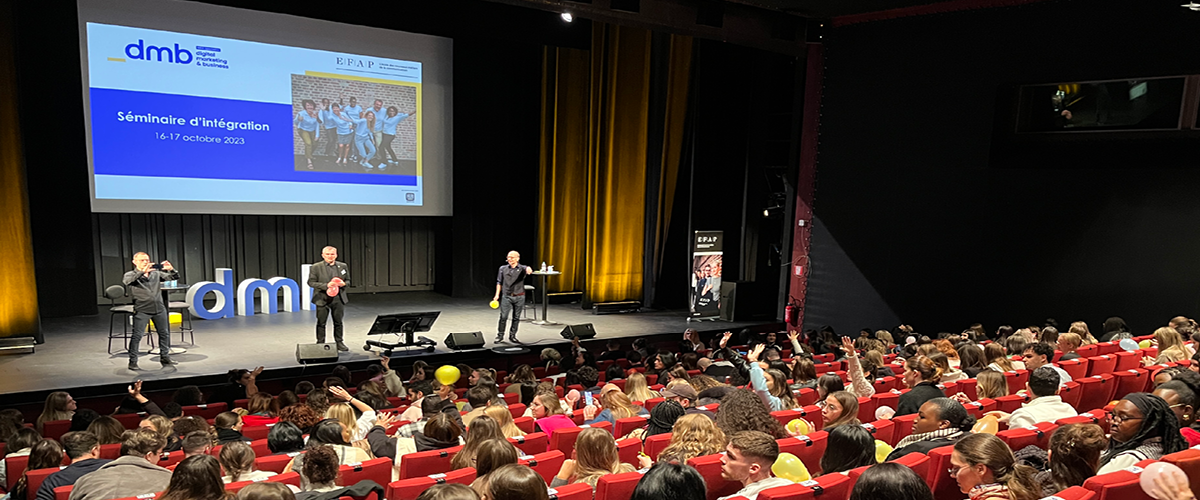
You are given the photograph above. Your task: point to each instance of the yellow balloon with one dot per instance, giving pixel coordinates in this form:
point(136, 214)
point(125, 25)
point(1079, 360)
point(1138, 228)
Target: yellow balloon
point(1145, 344)
point(447, 374)
point(882, 450)
point(495, 304)
point(799, 426)
point(986, 425)
point(791, 468)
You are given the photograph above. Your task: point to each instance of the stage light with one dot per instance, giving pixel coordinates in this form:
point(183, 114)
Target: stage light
point(767, 212)
point(567, 17)
point(1191, 5)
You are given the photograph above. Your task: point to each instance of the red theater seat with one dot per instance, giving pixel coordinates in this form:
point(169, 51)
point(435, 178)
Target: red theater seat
point(1128, 360)
point(1010, 403)
point(378, 470)
point(425, 463)
point(830, 487)
point(577, 491)
point(627, 425)
point(54, 429)
point(1016, 380)
point(808, 449)
point(944, 487)
point(1188, 460)
point(110, 451)
point(35, 478)
point(260, 448)
point(206, 411)
point(516, 410)
point(617, 486)
point(1076, 368)
point(810, 413)
point(628, 449)
point(656, 444)
point(806, 397)
point(274, 463)
point(62, 492)
point(1087, 351)
point(903, 426)
point(526, 424)
point(967, 386)
point(866, 409)
point(883, 430)
point(256, 432)
point(410, 489)
point(1076, 493)
point(1119, 485)
point(292, 478)
point(1129, 381)
point(563, 438)
point(920, 464)
point(1101, 364)
point(129, 420)
point(884, 399)
point(1097, 391)
point(652, 402)
point(532, 443)
point(1038, 435)
point(709, 467)
point(172, 458)
point(545, 464)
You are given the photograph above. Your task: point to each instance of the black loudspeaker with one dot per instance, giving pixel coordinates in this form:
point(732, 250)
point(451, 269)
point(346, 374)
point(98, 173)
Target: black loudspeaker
point(584, 331)
point(316, 353)
point(459, 341)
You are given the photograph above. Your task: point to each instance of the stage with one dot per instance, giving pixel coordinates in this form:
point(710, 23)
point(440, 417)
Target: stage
point(75, 353)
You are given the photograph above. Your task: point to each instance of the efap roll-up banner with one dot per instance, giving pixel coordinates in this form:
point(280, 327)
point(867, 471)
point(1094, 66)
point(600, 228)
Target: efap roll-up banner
point(705, 296)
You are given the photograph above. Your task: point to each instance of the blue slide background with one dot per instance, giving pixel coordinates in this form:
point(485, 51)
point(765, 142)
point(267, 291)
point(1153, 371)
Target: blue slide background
point(128, 148)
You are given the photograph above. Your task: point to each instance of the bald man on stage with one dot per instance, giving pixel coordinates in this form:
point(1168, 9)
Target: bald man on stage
point(328, 279)
point(510, 291)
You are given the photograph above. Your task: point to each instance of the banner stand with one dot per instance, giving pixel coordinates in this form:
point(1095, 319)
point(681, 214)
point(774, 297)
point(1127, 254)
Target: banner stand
point(704, 298)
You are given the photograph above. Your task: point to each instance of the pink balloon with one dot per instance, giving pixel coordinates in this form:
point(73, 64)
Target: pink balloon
point(1157, 469)
point(332, 291)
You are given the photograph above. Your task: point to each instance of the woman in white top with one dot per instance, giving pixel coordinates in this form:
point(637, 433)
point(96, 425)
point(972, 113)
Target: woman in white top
point(237, 460)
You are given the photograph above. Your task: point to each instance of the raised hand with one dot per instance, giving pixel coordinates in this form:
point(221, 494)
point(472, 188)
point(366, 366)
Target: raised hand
point(725, 339)
point(793, 335)
point(257, 371)
point(135, 390)
point(383, 360)
point(340, 393)
point(589, 412)
point(758, 349)
point(848, 347)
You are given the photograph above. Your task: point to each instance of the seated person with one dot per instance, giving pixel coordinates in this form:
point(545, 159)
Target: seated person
point(135, 473)
point(940, 422)
point(1046, 405)
point(748, 459)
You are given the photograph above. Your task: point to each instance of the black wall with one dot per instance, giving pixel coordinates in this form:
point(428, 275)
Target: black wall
point(906, 189)
point(497, 74)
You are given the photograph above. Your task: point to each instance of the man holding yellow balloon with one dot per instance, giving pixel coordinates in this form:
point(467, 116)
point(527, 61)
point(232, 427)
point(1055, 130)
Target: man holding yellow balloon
point(510, 292)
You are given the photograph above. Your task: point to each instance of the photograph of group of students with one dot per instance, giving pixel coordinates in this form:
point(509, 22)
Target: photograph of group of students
point(344, 135)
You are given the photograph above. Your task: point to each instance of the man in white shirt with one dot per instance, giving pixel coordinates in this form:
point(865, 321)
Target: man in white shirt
point(1041, 354)
point(748, 459)
point(1046, 405)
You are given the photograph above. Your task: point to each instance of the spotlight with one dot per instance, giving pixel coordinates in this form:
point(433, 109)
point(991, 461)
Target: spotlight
point(567, 17)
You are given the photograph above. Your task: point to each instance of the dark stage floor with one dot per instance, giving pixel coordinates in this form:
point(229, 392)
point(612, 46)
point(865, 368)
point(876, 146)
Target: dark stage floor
point(75, 354)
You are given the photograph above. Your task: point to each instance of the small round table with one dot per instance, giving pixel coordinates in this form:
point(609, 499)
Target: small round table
point(543, 274)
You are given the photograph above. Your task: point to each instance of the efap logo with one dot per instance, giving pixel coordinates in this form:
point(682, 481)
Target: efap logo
point(145, 52)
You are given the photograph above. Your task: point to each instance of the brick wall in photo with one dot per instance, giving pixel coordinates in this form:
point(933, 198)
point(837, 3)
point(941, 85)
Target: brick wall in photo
point(400, 96)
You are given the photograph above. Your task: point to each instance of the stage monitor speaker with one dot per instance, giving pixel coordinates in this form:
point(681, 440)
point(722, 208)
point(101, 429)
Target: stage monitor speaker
point(584, 331)
point(459, 341)
point(316, 353)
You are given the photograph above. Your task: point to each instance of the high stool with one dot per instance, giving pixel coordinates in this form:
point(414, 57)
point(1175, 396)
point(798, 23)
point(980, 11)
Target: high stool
point(530, 291)
point(185, 326)
point(125, 312)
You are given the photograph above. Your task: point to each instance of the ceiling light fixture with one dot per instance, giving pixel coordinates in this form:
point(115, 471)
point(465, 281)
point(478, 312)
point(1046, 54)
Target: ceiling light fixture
point(1192, 5)
point(567, 17)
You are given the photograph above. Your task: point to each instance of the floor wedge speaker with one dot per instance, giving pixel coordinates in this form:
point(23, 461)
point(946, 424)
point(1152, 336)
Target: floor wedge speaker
point(316, 353)
point(584, 331)
point(459, 341)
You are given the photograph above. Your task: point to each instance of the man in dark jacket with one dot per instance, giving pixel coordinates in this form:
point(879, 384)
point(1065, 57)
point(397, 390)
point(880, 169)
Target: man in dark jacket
point(83, 448)
point(135, 473)
point(144, 284)
point(328, 279)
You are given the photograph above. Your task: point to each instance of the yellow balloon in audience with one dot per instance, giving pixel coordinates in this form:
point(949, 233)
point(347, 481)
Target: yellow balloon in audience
point(988, 424)
point(447, 374)
point(799, 427)
point(1145, 344)
point(791, 468)
point(882, 450)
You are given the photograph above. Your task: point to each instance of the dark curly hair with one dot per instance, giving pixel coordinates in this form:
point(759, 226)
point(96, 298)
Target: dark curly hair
point(742, 410)
point(302, 415)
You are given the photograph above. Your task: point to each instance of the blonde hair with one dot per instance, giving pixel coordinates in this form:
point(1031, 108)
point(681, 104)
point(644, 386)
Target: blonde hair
point(1070, 339)
point(875, 357)
point(637, 389)
point(885, 337)
point(342, 412)
point(501, 415)
point(995, 354)
point(163, 426)
point(990, 384)
point(694, 435)
point(596, 456)
point(1169, 340)
point(619, 404)
point(1085, 335)
point(702, 382)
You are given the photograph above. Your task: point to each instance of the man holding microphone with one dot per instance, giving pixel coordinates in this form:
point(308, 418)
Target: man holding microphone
point(144, 284)
point(510, 291)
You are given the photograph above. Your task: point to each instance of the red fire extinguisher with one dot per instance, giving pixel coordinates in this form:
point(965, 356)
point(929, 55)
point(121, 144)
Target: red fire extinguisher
point(791, 313)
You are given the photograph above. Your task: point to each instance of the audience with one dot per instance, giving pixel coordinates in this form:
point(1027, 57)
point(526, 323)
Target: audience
point(483, 429)
point(1170, 347)
point(595, 456)
point(670, 481)
point(548, 413)
point(1074, 457)
point(504, 417)
point(921, 375)
point(491, 454)
point(196, 443)
point(135, 473)
point(662, 420)
point(890, 481)
point(804, 374)
point(106, 429)
point(692, 436)
point(616, 405)
point(59, 406)
point(45, 454)
point(986, 469)
point(940, 422)
point(849, 447)
point(516, 482)
point(1041, 354)
point(266, 491)
point(441, 432)
point(229, 427)
point(345, 413)
point(841, 408)
point(262, 410)
point(237, 460)
point(196, 478)
point(748, 459)
point(1046, 405)
point(319, 473)
point(20, 444)
point(333, 435)
point(972, 361)
point(997, 357)
point(1181, 398)
point(742, 410)
point(1143, 427)
point(83, 449)
point(302, 416)
point(991, 384)
point(285, 438)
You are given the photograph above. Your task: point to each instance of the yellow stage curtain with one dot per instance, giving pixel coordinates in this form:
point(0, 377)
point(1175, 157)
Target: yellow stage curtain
point(18, 314)
point(595, 116)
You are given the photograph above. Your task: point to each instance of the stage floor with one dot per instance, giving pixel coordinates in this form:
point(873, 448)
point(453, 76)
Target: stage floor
point(75, 353)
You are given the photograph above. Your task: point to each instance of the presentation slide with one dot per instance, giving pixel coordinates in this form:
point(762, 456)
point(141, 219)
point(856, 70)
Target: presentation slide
point(183, 118)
